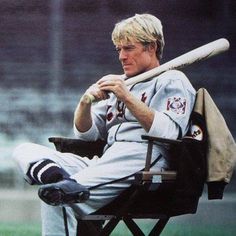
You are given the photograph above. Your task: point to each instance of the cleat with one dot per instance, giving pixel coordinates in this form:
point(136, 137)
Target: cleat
point(63, 192)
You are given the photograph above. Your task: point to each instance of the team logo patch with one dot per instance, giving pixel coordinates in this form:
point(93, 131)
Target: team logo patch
point(176, 104)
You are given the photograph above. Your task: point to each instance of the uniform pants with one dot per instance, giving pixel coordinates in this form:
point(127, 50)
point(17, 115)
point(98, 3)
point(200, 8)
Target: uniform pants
point(120, 160)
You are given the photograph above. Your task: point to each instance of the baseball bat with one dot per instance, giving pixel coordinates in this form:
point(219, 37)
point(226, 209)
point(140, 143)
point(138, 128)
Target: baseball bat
point(199, 54)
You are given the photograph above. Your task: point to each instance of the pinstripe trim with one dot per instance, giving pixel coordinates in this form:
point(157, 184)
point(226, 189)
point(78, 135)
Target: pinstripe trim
point(33, 168)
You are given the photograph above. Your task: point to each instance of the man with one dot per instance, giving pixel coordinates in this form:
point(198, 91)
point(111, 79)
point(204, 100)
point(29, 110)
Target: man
point(160, 107)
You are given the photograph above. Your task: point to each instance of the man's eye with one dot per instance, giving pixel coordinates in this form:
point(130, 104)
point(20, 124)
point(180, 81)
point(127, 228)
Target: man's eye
point(125, 49)
point(118, 50)
point(130, 48)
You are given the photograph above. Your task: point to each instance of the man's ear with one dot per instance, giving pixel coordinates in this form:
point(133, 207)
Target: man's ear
point(152, 47)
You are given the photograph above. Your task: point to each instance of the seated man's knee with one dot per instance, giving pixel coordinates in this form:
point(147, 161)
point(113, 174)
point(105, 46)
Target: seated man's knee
point(20, 151)
point(24, 154)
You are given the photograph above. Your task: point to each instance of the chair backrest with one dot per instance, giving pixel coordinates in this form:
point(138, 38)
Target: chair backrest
point(192, 163)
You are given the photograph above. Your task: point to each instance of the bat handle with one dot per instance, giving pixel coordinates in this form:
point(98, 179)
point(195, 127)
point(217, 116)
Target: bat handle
point(87, 98)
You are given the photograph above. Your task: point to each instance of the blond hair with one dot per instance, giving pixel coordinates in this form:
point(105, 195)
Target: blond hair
point(143, 28)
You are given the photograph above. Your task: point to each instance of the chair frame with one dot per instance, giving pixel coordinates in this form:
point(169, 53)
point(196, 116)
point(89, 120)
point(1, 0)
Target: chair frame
point(154, 194)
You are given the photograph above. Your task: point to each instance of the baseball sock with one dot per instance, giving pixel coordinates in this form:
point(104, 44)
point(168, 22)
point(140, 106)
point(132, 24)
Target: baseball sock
point(46, 171)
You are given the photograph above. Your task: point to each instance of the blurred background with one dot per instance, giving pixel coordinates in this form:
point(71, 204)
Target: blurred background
point(52, 50)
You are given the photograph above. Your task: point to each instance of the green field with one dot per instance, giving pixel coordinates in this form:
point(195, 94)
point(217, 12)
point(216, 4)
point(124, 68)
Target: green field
point(16, 229)
point(172, 229)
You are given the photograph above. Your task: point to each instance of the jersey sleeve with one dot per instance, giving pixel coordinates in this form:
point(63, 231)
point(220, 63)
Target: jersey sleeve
point(173, 103)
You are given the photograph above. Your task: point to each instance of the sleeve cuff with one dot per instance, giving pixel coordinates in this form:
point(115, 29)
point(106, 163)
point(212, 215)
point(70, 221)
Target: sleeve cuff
point(90, 135)
point(163, 126)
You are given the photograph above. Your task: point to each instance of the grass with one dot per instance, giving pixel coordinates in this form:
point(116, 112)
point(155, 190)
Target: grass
point(172, 229)
point(17, 229)
point(199, 230)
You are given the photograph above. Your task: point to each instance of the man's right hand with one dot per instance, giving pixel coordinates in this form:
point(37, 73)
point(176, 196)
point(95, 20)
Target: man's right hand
point(96, 93)
point(82, 115)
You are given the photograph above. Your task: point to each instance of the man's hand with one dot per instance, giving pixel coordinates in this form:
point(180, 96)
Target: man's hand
point(82, 115)
point(114, 84)
point(97, 93)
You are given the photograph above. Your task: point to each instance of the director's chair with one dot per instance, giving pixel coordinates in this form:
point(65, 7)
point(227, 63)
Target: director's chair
point(153, 195)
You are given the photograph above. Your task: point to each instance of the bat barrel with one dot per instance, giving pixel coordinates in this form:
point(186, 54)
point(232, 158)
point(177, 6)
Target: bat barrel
point(201, 53)
point(218, 46)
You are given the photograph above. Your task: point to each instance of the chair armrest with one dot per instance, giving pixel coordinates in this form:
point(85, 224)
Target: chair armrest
point(162, 140)
point(153, 180)
point(155, 176)
point(78, 147)
point(173, 146)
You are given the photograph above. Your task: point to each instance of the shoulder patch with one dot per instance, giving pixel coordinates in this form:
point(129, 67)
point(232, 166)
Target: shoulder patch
point(176, 105)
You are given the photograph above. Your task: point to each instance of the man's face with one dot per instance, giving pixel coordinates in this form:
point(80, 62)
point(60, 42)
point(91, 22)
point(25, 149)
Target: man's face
point(135, 58)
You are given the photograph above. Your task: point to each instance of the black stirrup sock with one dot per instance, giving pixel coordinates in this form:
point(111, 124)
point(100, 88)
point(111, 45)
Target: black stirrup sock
point(46, 171)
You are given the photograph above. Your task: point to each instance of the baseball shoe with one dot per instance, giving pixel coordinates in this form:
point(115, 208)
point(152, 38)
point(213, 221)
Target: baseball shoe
point(63, 192)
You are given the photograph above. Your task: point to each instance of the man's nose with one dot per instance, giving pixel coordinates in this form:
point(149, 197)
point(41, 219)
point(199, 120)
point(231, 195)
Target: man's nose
point(122, 55)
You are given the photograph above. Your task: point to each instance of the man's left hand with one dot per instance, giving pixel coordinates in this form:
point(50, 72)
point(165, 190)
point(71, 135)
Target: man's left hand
point(114, 84)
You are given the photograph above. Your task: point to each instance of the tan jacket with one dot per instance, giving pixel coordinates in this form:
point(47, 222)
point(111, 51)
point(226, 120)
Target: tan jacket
point(221, 150)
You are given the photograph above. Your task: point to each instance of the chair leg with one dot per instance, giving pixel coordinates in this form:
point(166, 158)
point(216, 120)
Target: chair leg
point(133, 227)
point(158, 228)
point(109, 227)
point(89, 228)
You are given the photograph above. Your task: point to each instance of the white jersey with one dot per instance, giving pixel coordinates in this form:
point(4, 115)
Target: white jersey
point(170, 95)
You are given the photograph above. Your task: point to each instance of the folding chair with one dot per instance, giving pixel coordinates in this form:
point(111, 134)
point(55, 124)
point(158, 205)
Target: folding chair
point(153, 195)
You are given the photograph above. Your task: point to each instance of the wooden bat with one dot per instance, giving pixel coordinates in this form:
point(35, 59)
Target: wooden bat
point(199, 54)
